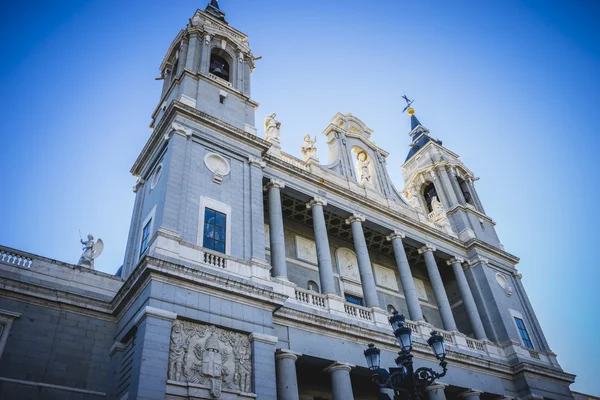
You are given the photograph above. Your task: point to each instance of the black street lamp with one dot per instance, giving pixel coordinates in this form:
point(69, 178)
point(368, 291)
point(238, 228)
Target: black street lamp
point(406, 382)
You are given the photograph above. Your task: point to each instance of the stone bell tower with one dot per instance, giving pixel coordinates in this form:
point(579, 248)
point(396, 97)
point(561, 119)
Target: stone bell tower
point(441, 188)
point(198, 155)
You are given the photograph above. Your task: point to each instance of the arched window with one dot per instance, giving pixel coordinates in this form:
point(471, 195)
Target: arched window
point(312, 285)
point(465, 190)
point(429, 193)
point(219, 64)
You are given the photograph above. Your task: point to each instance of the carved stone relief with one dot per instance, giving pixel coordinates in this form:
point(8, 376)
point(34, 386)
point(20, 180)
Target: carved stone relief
point(385, 277)
point(348, 264)
point(210, 356)
point(306, 249)
point(504, 284)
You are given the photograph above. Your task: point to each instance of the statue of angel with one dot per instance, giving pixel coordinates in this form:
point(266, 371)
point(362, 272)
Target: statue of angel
point(91, 251)
point(308, 149)
point(272, 127)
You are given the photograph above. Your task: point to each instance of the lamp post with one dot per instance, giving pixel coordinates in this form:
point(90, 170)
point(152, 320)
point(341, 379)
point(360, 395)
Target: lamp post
point(406, 382)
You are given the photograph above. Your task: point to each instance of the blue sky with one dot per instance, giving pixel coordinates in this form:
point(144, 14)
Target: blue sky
point(511, 86)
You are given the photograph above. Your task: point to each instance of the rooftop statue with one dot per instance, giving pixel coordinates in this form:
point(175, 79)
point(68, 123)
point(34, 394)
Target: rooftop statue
point(272, 128)
point(91, 251)
point(309, 150)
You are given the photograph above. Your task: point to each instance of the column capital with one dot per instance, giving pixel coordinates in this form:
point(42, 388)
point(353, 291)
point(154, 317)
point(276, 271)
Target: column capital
point(285, 353)
point(263, 338)
point(275, 183)
point(316, 201)
point(435, 386)
point(355, 218)
point(138, 184)
point(207, 38)
point(339, 365)
point(257, 161)
point(470, 393)
point(396, 235)
point(518, 275)
point(453, 260)
point(427, 247)
point(478, 260)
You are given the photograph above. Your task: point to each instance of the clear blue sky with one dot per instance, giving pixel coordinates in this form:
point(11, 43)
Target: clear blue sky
point(511, 86)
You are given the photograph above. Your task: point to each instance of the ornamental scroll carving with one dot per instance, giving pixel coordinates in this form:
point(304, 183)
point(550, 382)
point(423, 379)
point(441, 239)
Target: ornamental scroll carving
point(210, 356)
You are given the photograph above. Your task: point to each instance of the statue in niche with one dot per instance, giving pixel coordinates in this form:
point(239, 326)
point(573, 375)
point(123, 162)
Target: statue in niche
point(309, 148)
point(364, 168)
point(243, 368)
point(413, 198)
point(91, 251)
point(177, 352)
point(272, 127)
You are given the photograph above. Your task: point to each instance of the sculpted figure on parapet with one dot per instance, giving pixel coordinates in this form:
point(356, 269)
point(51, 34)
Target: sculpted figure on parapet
point(309, 148)
point(91, 251)
point(272, 127)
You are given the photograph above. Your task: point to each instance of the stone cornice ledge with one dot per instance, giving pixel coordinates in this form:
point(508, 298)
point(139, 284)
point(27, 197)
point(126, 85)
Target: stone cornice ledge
point(263, 338)
point(149, 311)
point(198, 117)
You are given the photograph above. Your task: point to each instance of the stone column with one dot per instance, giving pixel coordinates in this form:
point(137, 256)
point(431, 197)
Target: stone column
point(440, 190)
point(263, 364)
point(452, 196)
point(240, 71)
point(470, 394)
point(436, 391)
point(193, 53)
point(474, 194)
point(278, 263)
point(456, 186)
point(406, 278)
point(205, 59)
point(364, 262)
point(341, 385)
point(257, 220)
point(183, 49)
point(467, 296)
point(287, 380)
point(322, 241)
point(438, 288)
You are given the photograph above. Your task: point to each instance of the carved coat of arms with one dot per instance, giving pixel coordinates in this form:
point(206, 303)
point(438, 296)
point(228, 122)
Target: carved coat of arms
point(210, 356)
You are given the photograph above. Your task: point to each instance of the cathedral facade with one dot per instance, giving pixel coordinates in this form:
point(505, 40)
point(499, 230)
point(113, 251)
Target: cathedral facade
point(252, 274)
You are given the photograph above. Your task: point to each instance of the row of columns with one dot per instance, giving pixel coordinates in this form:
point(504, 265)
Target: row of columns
point(279, 267)
point(341, 384)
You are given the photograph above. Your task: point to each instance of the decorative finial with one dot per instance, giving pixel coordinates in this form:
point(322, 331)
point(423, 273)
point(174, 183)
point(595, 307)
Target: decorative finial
point(408, 107)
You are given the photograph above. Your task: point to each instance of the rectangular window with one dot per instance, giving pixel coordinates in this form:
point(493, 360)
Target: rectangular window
point(214, 230)
point(353, 299)
point(523, 333)
point(145, 238)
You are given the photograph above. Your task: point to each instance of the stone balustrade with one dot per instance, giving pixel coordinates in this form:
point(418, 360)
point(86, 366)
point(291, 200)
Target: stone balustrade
point(311, 298)
point(9, 256)
point(359, 312)
point(215, 259)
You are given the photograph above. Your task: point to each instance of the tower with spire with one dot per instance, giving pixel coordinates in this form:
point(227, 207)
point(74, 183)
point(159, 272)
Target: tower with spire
point(441, 188)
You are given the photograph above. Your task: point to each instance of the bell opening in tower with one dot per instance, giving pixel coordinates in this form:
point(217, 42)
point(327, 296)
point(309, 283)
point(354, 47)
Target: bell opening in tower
point(219, 65)
point(465, 190)
point(429, 193)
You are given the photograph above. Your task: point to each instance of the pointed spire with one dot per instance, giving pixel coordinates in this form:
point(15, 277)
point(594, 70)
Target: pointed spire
point(418, 133)
point(213, 9)
point(414, 121)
